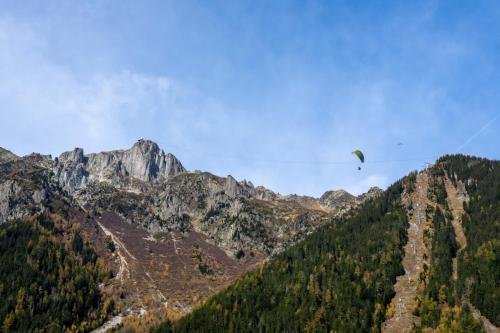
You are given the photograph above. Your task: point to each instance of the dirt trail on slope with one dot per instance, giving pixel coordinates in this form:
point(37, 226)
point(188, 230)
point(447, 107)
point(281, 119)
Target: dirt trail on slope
point(456, 199)
point(155, 274)
point(122, 252)
point(407, 285)
point(456, 196)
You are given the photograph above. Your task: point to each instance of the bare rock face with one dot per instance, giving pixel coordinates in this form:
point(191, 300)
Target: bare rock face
point(335, 199)
point(71, 170)
point(24, 186)
point(262, 193)
point(234, 189)
point(6, 155)
point(148, 188)
point(9, 191)
point(372, 193)
point(145, 161)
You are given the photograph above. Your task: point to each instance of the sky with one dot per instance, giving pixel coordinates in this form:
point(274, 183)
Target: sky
point(276, 92)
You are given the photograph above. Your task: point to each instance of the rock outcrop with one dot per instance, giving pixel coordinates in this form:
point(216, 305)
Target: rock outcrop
point(341, 199)
point(6, 155)
point(24, 186)
point(150, 188)
point(335, 199)
point(145, 161)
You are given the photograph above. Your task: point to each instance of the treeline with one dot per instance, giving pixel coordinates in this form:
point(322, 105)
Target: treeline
point(339, 279)
point(479, 263)
point(46, 286)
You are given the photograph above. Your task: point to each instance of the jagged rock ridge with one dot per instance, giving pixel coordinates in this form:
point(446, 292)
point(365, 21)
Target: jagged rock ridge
point(145, 161)
point(6, 155)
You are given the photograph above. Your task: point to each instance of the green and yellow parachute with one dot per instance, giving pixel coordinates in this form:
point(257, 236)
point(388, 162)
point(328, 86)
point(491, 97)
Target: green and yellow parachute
point(360, 155)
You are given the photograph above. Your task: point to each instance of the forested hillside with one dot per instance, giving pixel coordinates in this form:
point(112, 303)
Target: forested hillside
point(339, 279)
point(479, 263)
point(46, 285)
point(170, 236)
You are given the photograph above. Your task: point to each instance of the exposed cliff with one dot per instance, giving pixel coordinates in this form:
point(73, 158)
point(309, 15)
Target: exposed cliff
point(6, 155)
point(145, 161)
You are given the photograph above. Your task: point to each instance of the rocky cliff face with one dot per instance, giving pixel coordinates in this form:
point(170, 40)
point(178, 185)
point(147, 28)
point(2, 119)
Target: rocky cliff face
point(150, 188)
point(342, 200)
point(224, 210)
point(372, 193)
point(145, 161)
point(6, 155)
point(335, 199)
point(24, 187)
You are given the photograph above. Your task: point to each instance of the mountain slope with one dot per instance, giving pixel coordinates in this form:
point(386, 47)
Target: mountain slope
point(342, 278)
point(403, 304)
point(339, 278)
point(6, 155)
point(170, 237)
point(478, 262)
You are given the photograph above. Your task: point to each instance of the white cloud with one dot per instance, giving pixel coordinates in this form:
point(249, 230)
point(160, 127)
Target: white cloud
point(49, 108)
point(298, 137)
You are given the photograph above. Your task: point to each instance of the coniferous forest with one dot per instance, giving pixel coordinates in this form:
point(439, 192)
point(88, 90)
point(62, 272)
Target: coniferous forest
point(46, 286)
point(479, 263)
point(339, 279)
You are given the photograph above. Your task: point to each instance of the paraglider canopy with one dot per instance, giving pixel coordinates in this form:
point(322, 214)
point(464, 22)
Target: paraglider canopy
point(360, 155)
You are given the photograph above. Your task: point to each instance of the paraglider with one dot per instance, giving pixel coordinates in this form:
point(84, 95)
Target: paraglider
point(360, 155)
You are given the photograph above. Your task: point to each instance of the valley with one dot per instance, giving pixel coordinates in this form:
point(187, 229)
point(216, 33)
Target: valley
point(198, 252)
point(170, 238)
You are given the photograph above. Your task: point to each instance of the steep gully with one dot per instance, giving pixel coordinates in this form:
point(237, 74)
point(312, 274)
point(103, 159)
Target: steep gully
point(407, 285)
point(407, 288)
point(456, 196)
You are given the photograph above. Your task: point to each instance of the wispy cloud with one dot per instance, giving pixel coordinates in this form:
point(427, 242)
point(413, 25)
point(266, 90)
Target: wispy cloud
point(279, 96)
point(55, 109)
point(47, 106)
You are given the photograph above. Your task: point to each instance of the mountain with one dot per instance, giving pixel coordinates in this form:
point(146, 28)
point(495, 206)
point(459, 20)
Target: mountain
point(145, 234)
point(145, 161)
point(131, 237)
point(421, 257)
point(6, 155)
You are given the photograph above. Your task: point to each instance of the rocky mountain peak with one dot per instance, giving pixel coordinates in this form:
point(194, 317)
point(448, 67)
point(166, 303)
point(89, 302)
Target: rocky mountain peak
point(146, 145)
point(6, 155)
point(375, 189)
point(74, 156)
point(144, 161)
point(233, 188)
point(334, 199)
point(372, 193)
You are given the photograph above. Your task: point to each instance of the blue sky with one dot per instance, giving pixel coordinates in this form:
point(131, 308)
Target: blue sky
point(276, 92)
